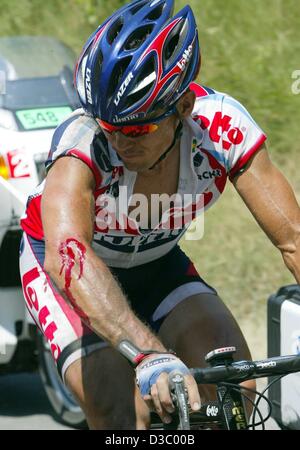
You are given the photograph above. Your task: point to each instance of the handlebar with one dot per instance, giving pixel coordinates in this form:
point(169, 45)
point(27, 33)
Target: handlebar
point(224, 370)
point(244, 370)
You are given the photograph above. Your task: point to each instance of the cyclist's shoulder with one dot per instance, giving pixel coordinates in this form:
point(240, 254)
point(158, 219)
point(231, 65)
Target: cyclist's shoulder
point(212, 100)
point(229, 133)
point(76, 126)
point(220, 115)
point(80, 136)
point(80, 132)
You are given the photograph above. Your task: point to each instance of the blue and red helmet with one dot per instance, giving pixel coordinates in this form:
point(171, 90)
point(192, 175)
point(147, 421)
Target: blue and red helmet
point(139, 60)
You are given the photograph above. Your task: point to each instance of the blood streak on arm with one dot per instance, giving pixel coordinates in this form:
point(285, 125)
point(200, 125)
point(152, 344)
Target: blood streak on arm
point(72, 251)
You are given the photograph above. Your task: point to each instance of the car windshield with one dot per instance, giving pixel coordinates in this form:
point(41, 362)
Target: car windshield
point(39, 92)
point(34, 56)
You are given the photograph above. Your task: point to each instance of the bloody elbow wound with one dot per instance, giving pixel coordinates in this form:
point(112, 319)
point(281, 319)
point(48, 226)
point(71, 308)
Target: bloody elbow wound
point(72, 254)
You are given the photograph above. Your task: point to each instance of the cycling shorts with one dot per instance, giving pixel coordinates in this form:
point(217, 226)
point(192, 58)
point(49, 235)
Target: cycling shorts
point(152, 289)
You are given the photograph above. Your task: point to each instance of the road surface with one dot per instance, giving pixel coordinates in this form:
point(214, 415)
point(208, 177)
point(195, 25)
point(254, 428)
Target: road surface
point(24, 405)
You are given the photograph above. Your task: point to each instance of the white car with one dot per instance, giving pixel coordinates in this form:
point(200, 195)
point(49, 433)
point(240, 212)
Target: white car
point(36, 94)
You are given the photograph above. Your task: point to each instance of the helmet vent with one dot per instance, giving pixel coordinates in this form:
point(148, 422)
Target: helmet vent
point(117, 75)
point(114, 30)
point(171, 47)
point(162, 99)
point(138, 7)
point(98, 68)
point(137, 96)
point(174, 43)
point(138, 37)
point(144, 83)
point(156, 13)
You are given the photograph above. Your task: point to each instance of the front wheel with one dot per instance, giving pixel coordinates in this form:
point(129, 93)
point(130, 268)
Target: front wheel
point(65, 406)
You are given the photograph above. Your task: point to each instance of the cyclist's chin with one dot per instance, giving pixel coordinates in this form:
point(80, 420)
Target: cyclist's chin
point(135, 167)
point(136, 164)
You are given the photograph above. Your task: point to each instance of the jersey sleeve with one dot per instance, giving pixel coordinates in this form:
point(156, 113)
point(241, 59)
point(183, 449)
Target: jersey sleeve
point(230, 133)
point(74, 138)
point(241, 136)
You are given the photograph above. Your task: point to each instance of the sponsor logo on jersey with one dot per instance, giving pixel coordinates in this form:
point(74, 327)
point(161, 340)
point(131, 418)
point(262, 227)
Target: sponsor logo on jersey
point(35, 299)
point(198, 160)
point(221, 128)
point(128, 244)
point(210, 174)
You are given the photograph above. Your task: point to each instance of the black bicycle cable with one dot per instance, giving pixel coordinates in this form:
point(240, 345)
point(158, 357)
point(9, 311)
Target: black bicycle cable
point(256, 410)
point(265, 390)
point(255, 403)
point(232, 386)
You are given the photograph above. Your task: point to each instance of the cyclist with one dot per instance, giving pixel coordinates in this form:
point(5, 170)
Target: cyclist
point(104, 283)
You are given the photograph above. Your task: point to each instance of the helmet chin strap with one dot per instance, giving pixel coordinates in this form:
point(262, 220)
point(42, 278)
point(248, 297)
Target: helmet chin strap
point(178, 133)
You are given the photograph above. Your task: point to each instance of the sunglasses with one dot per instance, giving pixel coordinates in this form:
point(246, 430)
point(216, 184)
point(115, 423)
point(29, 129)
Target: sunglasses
point(136, 129)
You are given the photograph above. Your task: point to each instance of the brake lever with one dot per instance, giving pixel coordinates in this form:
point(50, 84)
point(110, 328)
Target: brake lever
point(180, 398)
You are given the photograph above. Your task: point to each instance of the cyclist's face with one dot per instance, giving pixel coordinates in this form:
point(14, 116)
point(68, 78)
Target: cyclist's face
point(140, 153)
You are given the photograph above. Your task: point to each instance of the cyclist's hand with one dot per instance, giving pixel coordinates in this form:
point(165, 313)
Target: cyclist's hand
point(152, 379)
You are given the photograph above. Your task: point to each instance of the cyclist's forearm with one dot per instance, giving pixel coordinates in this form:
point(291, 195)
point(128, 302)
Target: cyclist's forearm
point(87, 283)
point(273, 203)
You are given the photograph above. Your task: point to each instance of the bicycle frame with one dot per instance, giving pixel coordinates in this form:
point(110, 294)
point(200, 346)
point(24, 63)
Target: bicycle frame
point(233, 415)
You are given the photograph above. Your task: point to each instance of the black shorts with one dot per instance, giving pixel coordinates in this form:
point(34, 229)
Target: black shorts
point(152, 289)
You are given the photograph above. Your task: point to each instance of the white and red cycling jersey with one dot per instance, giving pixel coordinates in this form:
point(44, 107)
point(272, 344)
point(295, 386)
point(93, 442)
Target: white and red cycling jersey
point(216, 143)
